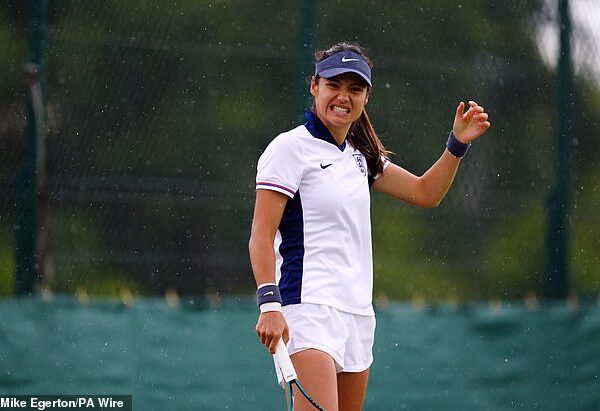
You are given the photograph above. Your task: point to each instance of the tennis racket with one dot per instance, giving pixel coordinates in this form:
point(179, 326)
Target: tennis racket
point(284, 363)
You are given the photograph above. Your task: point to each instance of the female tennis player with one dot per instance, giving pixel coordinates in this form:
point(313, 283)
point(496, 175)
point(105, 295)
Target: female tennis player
point(310, 245)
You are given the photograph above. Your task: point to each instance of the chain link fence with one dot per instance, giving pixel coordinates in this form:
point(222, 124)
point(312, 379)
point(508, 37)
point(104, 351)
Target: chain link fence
point(157, 114)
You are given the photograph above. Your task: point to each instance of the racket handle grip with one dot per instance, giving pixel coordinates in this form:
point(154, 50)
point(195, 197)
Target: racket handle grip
point(282, 359)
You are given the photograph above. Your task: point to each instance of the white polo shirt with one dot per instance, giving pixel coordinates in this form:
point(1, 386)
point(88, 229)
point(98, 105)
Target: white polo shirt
point(323, 244)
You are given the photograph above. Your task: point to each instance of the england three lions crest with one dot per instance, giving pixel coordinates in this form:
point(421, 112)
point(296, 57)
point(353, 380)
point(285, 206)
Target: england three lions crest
point(360, 163)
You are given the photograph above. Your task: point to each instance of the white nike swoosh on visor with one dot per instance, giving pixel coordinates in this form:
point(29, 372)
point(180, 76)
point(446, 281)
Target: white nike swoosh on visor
point(345, 60)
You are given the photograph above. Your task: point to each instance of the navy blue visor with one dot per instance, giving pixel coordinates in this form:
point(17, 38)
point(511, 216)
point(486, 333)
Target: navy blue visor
point(344, 62)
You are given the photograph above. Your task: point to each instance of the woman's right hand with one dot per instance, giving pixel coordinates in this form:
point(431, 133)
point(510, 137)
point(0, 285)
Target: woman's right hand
point(271, 326)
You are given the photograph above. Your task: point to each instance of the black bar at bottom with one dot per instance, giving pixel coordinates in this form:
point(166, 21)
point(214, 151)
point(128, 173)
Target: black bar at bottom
point(66, 402)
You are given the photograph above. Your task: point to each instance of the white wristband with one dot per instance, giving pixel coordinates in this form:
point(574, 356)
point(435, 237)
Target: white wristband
point(268, 307)
point(263, 284)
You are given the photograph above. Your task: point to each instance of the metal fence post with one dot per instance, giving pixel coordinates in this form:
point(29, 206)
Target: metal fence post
point(559, 197)
point(306, 47)
point(30, 246)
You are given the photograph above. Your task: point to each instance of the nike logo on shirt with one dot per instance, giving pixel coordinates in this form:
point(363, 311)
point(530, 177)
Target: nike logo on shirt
point(326, 165)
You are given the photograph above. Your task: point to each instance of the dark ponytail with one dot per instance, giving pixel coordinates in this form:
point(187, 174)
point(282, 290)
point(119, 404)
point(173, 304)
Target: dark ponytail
point(362, 134)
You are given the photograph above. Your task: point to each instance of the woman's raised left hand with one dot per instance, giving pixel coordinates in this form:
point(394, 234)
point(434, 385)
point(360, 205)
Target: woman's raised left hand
point(470, 125)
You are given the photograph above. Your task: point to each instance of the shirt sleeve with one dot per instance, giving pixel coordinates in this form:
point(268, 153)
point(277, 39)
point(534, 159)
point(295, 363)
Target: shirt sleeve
point(386, 163)
point(281, 166)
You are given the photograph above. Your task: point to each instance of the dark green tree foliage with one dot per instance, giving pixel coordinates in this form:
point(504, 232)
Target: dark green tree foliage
point(158, 112)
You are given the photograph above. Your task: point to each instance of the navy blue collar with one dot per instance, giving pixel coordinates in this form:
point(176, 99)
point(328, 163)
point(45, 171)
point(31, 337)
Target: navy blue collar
point(318, 130)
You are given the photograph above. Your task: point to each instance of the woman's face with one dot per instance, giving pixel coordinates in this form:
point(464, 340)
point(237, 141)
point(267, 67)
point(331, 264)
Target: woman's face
point(339, 100)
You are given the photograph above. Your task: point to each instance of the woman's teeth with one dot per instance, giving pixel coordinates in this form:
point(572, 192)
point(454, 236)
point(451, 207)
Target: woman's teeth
point(340, 109)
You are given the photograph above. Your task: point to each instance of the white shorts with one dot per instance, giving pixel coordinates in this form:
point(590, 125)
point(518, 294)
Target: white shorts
point(347, 338)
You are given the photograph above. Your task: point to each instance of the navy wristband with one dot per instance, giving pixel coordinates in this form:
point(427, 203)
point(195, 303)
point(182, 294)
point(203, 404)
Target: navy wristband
point(455, 147)
point(268, 294)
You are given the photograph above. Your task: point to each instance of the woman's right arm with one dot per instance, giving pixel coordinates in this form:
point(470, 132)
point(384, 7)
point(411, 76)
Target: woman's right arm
point(268, 212)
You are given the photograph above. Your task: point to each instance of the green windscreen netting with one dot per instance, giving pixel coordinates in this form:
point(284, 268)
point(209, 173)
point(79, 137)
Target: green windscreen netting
point(204, 355)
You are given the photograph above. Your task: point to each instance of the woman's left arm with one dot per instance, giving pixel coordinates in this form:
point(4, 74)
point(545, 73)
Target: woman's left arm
point(429, 189)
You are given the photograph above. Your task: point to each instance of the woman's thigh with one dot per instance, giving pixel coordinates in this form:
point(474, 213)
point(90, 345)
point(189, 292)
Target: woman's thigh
point(317, 374)
point(352, 388)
